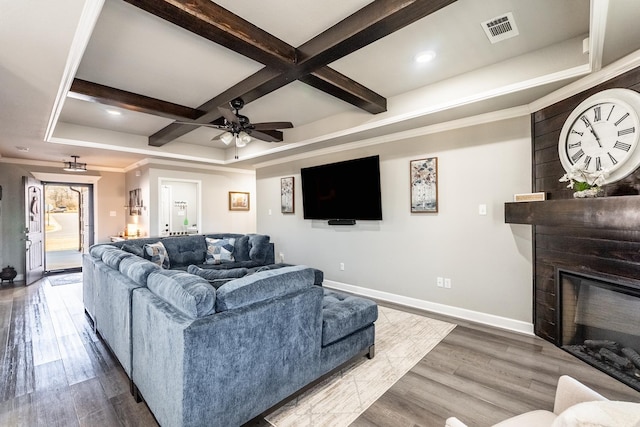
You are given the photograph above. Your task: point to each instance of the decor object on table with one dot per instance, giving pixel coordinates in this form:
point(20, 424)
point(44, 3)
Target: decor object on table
point(75, 165)
point(238, 201)
point(602, 134)
point(287, 202)
point(424, 185)
point(8, 273)
point(585, 183)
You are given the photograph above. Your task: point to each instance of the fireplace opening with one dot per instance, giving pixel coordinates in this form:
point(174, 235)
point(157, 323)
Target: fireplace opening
point(599, 322)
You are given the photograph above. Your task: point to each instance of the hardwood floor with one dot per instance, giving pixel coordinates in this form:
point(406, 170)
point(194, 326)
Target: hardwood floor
point(55, 371)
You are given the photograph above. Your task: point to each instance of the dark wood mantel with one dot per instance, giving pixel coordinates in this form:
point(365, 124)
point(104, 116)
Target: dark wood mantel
point(616, 213)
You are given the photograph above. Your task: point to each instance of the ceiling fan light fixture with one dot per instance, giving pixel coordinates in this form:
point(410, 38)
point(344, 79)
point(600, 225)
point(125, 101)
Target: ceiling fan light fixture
point(75, 166)
point(226, 138)
point(243, 139)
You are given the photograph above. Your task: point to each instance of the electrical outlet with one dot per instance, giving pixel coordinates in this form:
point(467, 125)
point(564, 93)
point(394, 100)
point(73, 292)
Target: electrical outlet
point(440, 282)
point(447, 283)
point(269, 211)
point(342, 266)
point(281, 257)
point(482, 209)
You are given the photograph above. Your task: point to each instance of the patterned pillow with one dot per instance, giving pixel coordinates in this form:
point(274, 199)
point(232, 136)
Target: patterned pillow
point(219, 250)
point(157, 253)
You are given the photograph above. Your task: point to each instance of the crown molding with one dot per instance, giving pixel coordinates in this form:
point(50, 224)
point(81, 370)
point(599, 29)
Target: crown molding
point(612, 70)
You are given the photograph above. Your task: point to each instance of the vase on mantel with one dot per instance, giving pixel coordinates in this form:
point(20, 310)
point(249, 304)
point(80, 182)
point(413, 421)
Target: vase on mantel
point(589, 193)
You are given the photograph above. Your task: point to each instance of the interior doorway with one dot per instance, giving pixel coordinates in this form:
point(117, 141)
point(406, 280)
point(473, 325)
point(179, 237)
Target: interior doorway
point(68, 225)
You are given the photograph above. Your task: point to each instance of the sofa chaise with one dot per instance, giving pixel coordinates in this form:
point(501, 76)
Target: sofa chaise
point(202, 353)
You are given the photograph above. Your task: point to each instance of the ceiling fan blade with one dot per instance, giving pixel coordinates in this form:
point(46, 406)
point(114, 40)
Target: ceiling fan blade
point(272, 125)
point(267, 135)
point(217, 124)
point(228, 114)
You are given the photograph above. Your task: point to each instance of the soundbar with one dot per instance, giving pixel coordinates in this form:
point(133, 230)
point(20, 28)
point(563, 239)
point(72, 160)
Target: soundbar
point(342, 222)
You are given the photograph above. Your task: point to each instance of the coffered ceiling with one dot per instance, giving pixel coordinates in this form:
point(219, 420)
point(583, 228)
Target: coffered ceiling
point(339, 71)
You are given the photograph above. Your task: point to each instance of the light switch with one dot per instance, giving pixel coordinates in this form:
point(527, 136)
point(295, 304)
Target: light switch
point(482, 209)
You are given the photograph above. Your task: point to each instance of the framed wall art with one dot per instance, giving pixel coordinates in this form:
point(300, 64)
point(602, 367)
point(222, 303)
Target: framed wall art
point(135, 202)
point(287, 202)
point(238, 201)
point(424, 185)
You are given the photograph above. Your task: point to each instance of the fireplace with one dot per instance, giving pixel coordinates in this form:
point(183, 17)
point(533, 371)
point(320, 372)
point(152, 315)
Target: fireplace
point(599, 322)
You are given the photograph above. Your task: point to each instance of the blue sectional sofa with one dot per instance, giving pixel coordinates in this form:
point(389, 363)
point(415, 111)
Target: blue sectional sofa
point(206, 353)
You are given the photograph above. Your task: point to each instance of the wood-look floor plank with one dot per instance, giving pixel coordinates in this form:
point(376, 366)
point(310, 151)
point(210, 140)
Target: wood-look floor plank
point(55, 409)
point(477, 373)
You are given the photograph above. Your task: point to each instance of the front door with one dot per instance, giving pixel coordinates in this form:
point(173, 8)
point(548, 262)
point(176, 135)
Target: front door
point(34, 230)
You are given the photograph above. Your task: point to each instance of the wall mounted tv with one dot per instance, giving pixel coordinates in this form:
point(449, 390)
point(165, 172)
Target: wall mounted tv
point(343, 192)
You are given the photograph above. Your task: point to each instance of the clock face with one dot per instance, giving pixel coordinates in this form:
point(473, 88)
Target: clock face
point(602, 137)
point(602, 134)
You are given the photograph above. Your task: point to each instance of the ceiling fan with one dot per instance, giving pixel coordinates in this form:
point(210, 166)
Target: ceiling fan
point(239, 128)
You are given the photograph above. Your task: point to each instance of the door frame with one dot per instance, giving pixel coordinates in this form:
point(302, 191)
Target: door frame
point(89, 233)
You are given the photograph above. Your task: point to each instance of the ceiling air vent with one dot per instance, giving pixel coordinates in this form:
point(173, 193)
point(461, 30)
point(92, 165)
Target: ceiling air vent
point(500, 28)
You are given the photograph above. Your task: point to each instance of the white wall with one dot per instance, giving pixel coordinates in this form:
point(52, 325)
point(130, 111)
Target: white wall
point(488, 261)
point(216, 184)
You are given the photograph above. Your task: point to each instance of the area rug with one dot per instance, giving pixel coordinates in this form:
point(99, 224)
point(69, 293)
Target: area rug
point(402, 340)
point(65, 279)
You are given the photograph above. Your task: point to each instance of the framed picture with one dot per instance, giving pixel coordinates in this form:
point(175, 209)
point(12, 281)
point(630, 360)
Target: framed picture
point(135, 202)
point(287, 202)
point(238, 201)
point(424, 185)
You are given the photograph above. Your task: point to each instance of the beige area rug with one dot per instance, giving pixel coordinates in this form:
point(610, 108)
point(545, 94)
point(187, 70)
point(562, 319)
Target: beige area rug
point(402, 340)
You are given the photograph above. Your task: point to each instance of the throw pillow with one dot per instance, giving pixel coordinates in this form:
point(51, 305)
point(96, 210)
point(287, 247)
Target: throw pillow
point(258, 247)
point(157, 254)
point(241, 250)
point(211, 274)
point(133, 249)
point(219, 250)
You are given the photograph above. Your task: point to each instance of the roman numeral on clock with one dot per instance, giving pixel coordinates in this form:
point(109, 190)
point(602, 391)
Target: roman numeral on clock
point(598, 164)
point(578, 155)
point(574, 145)
point(626, 131)
point(621, 119)
point(622, 146)
point(596, 114)
point(613, 159)
point(576, 132)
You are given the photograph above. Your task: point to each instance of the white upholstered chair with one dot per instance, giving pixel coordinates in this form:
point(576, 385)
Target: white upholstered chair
point(569, 401)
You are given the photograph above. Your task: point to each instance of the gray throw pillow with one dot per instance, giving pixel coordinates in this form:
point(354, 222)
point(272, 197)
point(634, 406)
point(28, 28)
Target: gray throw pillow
point(258, 247)
point(133, 249)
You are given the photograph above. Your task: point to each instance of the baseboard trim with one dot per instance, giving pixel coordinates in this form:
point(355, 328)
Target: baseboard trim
point(460, 313)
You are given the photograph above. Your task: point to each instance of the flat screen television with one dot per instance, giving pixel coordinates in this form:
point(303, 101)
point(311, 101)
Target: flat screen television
point(348, 190)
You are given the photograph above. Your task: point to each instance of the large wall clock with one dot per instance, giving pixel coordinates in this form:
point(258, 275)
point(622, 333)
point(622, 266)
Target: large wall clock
point(603, 133)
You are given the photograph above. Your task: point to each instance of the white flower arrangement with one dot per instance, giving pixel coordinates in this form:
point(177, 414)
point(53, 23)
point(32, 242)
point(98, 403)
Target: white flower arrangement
point(581, 180)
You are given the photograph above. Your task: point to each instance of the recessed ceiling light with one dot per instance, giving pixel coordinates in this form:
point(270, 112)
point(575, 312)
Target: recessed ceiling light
point(424, 57)
point(114, 112)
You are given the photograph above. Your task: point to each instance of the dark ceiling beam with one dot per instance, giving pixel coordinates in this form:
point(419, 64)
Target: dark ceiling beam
point(332, 82)
point(215, 23)
point(94, 92)
point(208, 20)
point(253, 87)
point(376, 20)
